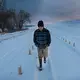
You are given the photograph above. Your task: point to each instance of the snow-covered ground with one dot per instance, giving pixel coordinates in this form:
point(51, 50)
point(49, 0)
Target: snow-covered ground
point(63, 62)
point(65, 57)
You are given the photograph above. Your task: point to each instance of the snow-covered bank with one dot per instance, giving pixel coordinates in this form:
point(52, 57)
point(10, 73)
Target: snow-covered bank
point(64, 57)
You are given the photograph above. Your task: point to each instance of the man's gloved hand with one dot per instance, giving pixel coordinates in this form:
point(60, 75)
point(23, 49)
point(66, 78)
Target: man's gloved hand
point(45, 46)
point(37, 45)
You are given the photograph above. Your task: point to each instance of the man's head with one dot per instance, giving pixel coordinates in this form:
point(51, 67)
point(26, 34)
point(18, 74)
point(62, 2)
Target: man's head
point(40, 25)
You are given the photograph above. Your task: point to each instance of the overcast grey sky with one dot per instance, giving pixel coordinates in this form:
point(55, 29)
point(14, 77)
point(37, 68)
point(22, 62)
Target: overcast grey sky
point(58, 9)
point(49, 9)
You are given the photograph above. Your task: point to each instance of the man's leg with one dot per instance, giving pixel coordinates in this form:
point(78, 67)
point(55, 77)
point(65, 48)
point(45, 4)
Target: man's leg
point(44, 59)
point(40, 58)
point(40, 62)
point(45, 53)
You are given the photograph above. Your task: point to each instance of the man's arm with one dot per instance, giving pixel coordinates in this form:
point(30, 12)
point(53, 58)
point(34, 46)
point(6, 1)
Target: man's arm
point(49, 38)
point(34, 39)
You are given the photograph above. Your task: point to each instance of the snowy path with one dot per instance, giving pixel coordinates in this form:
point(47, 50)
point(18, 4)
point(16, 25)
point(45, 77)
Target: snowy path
point(18, 55)
point(63, 62)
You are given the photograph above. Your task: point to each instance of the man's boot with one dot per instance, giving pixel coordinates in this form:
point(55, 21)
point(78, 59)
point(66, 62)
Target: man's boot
point(44, 60)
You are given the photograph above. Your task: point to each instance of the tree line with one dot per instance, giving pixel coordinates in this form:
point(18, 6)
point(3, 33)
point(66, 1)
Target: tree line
point(10, 20)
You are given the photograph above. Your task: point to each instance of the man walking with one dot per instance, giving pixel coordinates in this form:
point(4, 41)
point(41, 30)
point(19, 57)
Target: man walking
point(42, 40)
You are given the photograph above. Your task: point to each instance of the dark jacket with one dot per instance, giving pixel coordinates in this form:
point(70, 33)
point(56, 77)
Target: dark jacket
point(42, 39)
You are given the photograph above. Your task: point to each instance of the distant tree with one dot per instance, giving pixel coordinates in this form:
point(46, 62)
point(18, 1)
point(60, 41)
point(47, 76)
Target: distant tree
point(23, 17)
point(12, 19)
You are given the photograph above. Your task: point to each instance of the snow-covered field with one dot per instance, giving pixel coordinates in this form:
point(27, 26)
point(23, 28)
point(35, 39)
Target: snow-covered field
point(63, 62)
point(65, 57)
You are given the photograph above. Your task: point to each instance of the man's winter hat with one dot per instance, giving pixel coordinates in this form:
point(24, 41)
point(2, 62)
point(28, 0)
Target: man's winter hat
point(40, 23)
